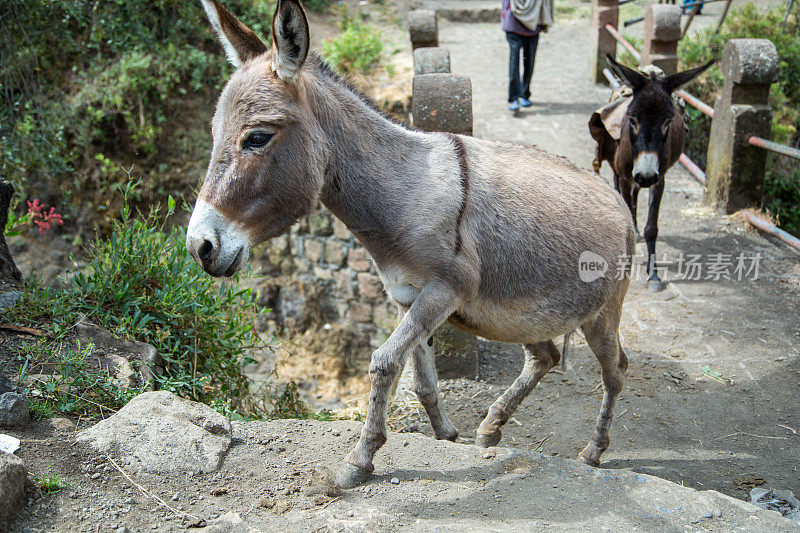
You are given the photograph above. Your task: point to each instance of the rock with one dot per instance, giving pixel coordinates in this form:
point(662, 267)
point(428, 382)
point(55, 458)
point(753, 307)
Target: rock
point(229, 523)
point(6, 385)
point(9, 298)
point(158, 432)
point(61, 424)
point(13, 410)
point(13, 479)
point(130, 362)
point(395, 481)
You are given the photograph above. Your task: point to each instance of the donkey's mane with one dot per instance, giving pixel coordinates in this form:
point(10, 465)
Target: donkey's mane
point(324, 69)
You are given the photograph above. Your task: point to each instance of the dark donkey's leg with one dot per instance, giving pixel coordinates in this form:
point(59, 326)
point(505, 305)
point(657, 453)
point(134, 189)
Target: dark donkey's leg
point(539, 359)
point(434, 304)
point(625, 189)
point(651, 234)
point(634, 204)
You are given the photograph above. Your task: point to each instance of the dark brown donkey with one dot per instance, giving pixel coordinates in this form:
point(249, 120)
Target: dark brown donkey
point(650, 142)
point(507, 242)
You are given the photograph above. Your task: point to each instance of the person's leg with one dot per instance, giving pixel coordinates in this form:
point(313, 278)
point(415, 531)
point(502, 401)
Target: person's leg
point(514, 43)
point(529, 57)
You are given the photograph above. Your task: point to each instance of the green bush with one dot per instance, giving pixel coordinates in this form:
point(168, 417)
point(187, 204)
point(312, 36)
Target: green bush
point(81, 77)
point(782, 194)
point(356, 50)
point(142, 285)
point(746, 23)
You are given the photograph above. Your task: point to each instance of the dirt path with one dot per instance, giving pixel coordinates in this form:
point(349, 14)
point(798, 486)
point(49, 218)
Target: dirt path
point(672, 421)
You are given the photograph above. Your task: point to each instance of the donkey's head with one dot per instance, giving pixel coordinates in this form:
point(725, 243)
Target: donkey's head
point(269, 153)
point(650, 118)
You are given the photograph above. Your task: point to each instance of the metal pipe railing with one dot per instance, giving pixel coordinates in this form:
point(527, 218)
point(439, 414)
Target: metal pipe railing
point(773, 230)
point(773, 146)
point(612, 80)
point(693, 169)
point(624, 42)
point(696, 102)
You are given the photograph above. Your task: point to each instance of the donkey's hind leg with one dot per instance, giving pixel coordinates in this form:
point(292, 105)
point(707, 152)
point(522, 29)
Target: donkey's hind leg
point(427, 390)
point(602, 334)
point(539, 359)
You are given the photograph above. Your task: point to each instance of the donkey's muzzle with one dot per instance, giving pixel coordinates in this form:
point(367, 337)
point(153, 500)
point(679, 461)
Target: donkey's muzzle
point(215, 242)
point(645, 169)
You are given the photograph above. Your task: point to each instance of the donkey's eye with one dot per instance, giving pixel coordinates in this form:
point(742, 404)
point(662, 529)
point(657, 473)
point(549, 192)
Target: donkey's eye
point(256, 139)
point(665, 126)
point(634, 125)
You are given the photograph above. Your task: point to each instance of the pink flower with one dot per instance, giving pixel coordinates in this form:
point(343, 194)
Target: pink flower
point(42, 218)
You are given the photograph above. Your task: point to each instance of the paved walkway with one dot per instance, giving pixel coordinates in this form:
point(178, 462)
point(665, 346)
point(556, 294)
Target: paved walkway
point(715, 364)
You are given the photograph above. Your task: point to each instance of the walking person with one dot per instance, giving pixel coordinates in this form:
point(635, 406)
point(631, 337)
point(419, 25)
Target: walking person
point(523, 21)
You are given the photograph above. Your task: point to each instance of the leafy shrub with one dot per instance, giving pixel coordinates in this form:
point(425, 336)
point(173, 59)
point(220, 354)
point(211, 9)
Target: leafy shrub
point(782, 195)
point(81, 77)
point(356, 50)
point(746, 23)
point(142, 285)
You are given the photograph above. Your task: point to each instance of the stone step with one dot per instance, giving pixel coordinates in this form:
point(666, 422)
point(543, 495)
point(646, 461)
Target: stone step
point(464, 10)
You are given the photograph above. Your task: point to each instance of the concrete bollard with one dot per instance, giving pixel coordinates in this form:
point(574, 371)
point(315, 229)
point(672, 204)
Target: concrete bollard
point(442, 102)
point(662, 31)
point(735, 169)
point(456, 353)
point(603, 12)
point(431, 61)
point(423, 28)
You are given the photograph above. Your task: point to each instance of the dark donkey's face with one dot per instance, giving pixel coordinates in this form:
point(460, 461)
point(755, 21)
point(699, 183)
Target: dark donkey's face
point(652, 123)
point(267, 163)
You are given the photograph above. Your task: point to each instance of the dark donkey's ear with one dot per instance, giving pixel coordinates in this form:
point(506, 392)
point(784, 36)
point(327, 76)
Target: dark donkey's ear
point(681, 78)
point(290, 36)
point(630, 77)
point(239, 41)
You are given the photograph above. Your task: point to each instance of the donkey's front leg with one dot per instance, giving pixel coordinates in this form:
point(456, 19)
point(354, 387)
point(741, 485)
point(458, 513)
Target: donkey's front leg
point(434, 304)
point(651, 234)
point(634, 203)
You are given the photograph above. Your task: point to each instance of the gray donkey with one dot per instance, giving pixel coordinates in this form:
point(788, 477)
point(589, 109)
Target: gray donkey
point(504, 241)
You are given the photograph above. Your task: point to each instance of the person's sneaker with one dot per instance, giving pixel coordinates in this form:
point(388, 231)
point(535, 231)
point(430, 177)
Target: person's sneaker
point(514, 106)
point(524, 102)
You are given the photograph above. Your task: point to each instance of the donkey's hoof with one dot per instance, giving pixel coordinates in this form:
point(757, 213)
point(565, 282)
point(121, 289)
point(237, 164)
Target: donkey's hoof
point(350, 476)
point(591, 454)
point(485, 441)
point(655, 285)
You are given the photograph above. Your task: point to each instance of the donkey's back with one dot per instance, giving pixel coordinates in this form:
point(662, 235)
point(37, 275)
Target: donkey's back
point(532, 218)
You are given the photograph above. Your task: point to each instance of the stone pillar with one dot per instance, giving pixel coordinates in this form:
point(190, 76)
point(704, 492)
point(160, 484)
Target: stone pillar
point(423, 28)
point(442, 102)
point(662, 31)
point(735, 169)
point(602, 42)
point(431, 61)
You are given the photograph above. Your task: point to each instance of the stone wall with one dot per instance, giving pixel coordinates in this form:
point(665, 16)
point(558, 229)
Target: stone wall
point(320, 274)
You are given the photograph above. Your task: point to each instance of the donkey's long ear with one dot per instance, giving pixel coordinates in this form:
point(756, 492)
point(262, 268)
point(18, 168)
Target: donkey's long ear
point(239, 42)
point(630, 77)
point(681, 78)
point(290, 37)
